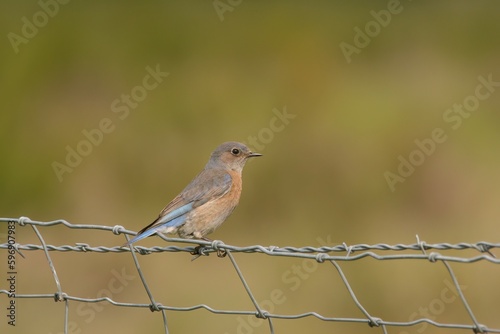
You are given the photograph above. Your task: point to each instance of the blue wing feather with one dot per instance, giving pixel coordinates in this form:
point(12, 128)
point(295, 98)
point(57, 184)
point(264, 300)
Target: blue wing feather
point(172, 223)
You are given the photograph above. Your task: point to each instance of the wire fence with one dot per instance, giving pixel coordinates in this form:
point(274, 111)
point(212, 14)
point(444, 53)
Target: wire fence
point(324, 255)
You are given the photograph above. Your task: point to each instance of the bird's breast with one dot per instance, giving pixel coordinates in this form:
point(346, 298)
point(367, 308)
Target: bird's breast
point(207, 217)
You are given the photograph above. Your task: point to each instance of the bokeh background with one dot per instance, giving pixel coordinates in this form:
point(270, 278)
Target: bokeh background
point(322, 176)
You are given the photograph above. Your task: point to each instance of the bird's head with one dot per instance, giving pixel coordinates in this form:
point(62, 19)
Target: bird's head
point(231, 155)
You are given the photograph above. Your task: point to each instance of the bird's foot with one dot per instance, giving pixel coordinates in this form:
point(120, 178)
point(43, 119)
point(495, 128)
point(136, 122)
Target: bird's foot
point(202, 250)
point(221, 253)
point(199, 251)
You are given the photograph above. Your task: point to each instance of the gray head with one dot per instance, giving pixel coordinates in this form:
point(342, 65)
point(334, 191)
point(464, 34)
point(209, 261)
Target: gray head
point(231, 155)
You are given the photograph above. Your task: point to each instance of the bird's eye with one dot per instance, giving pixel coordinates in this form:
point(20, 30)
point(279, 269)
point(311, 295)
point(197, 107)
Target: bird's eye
point(235, 151)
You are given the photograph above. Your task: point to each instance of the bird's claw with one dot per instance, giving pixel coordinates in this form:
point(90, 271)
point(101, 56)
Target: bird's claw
point(221, 253)
point(201, 250)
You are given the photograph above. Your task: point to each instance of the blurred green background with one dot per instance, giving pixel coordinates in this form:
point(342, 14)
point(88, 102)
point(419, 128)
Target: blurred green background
point(231, 69)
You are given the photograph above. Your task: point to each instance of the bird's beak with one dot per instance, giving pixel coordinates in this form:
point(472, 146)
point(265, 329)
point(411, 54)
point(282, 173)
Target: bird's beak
point(253, 154)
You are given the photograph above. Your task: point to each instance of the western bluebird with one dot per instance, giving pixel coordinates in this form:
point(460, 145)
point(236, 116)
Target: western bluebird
point(208, 200)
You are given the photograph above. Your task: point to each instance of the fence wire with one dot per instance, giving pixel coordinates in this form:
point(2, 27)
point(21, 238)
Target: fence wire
point(323, 255)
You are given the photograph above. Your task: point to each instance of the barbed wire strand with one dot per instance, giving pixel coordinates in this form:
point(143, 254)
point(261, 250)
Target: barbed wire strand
point(284, 251)
point(482, 246)
point(319, 254)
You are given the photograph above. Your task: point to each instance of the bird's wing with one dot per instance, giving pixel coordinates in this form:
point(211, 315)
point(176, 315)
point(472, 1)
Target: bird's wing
point(208, 185)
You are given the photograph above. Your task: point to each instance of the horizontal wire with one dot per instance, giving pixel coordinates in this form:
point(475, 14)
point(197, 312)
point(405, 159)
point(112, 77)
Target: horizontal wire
point(319, 254)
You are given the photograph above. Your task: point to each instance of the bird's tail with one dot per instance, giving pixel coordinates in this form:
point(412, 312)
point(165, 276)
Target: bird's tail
point(140, 236)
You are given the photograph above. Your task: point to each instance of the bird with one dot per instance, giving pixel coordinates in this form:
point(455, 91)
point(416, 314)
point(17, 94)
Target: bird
point(207, 200)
